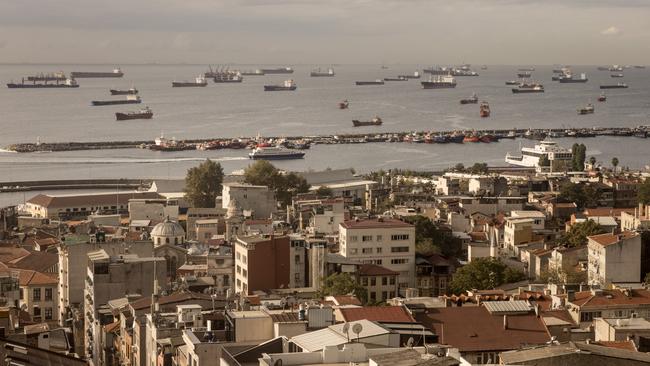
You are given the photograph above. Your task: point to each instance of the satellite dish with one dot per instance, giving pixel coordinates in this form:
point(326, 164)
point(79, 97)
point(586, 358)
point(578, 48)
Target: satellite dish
point(346, 327)
point(357, 328)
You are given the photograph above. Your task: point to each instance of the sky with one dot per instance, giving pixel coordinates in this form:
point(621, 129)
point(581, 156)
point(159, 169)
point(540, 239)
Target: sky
point(511, 32)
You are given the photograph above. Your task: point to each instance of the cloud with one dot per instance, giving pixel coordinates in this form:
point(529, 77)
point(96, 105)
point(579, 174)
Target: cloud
point(611, 31)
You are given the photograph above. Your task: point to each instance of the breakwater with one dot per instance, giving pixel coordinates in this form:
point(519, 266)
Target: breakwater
point(305, 141)
point(41, 185)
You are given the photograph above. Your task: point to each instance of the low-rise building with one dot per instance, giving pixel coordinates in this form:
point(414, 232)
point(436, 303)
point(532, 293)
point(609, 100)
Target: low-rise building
point(39, 295)
point(82, 205)
point(585, 306)
point(260, 200)
point(380, 282)
point(609, 330)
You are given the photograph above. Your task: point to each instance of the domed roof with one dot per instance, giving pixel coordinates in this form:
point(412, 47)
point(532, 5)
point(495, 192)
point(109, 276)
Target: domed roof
point(168, 229)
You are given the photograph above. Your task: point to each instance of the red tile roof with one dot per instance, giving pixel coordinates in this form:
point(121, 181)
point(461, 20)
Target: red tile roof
point(385, 314)
point(587, 299)
point(625, 345)
point(36, 261)
point(473, 328)
point(178, 297)
point(375, 270)
point(33, 278)
point(607, 211)
point(609, 238)
point(377, 223)
point(346, 300)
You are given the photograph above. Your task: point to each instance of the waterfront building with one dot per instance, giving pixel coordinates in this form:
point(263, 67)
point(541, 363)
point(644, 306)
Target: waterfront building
point(81, 205)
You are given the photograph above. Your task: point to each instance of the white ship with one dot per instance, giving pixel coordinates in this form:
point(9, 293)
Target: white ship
point(530, 156)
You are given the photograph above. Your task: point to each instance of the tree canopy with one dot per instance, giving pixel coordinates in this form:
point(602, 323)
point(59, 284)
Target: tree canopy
point(577, 235)
point(644, 192)
point(484, 274)
point(584, 195)
point(203, 184)
point(579, 155)
point(430, 239)
point(285, 186)
point(343, 284)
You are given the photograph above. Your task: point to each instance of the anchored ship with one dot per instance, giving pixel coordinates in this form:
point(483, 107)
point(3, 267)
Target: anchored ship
point(415, 75)
point(471, 100)
point(52, 76)
point(199, 81)
point(117, 73)
point(373, 122)
point(124, 91)
point(145, 113)
point(288, 85)
point(252, 73)
point(375, 82)
point(615, 86)
point(68, 83)
point(568, 78)
point(525, 74)
point(280, 70)
point(319, 73)
point(588, 109)
point(275, 153)
point(130, 99)
point(535, 89)
point(439, 82)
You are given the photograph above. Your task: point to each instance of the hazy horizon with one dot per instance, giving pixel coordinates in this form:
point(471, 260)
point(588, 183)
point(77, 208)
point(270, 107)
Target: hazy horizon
point(420, 32)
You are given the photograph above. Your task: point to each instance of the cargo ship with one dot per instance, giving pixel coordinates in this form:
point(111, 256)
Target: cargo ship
point(375, 82)
point(228, 78)
point(130, 91)
point(461, 72)
point(145, 113)
point(439, 82)
point(130, 99)
point(437, 71)
point(524, 74)
point(536, 89)
point(568, 78)
point(68, 83)
point(471, 100)
point(52, 76)
point(252, 73)
point(484, 110)
point(319, 73)
point(199, 81)
point(619, 75)
point(615, 86)
point(399, 78)
point(588, 109)
point(117, 73)
point(288, 85)
point(280, 70)
point(373, 122)
point(275, 153)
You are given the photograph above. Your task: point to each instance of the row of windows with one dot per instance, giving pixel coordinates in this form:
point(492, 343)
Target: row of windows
point(385, 295)
point(355, 238)
point(373, 281)
point(47, 312)
point(399, 249)
point(399, 237)
point(76, 209)
point(399, 261)
point(36, 294)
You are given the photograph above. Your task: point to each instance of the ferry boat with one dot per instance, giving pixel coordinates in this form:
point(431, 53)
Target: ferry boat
point(373, 122)
point(588, 109)
point(439, 82)
point(344, 104)
point(288, 85)
point(117, 73)
point(530, 155)
point(471, 100)
point(199, 81)
point(274, 153)
point(375, 82)
point(130, 99)
point(318, 73)
point(124, 91)
point(279, 70)
point(615, 86)
point(68, 83)
point(602, 97)
point(536, 89)
point(145, 113)
point(484, 110)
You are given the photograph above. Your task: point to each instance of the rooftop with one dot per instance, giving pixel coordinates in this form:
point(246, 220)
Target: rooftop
point(587, 299)
point(382, 314)
point(376, 223)
point(375, 270)
point(609, 238)
point(88, 199)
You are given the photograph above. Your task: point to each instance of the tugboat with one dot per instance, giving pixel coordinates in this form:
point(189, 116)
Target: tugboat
point(471, 100)
point(614, 86)
point(288, 85)
point(344, 104)
point(130, 99)
point(373, 122)
point(439, 82)
point(144, 113)
point(484, 109)
point(536, 89)
point(69, 83)
point(376, 82)
point(131, 90)
point(117, 73)
point(588, 109)
point(319, 73)
point(602, 97)
point(199, 81)
point(275, 153)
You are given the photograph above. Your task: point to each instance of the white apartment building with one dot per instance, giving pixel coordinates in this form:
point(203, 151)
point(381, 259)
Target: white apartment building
point(614, 258)
point(258, 199)
point(387, 242)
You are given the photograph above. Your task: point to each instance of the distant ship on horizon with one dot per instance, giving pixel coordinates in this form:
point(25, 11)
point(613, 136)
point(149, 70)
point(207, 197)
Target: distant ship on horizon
point(116, 73)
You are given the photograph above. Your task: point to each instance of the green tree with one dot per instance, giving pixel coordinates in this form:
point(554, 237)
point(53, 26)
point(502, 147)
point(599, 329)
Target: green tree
point(479, 168)
point(460, 167)
point(579, 155)
point(203, 184)
point(615, 163)
point(577, 235)
point(429, 239)
point(592, 160)
point(483, 274)
point(644, 192)
point(343, 284)
point(285, 186)
point(323, 191)
point(582, 194)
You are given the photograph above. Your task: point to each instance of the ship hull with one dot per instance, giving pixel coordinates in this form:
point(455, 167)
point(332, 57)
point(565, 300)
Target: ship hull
point(369, 83)
point(227, 81)
point(569, 81)
point(468, 101)
point(357, 123)
point(432, 85)
point(321, 75)
point(181, 84)
point(276, 71)
point(613, 86)
point(276, 157)
point(39, 86)
point(279, 88)
point(123, 92)
point(81, 74)
point(127, 116)
point(114, 102)
point(526, 90)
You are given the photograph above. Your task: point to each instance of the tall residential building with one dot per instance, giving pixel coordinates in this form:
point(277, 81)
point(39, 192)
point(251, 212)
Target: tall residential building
point(614, 258)
point(260, 200)
point(387, 242)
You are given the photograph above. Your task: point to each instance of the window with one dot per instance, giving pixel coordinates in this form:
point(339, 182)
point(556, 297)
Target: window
point(244, 259)
point(296, 259)
point(487, 358)
point(366, 238)
point(589, 316)
point(48, 313)
point(373, 296)
point(48, 294)
point(36, 294)
point(399, 249)
point(364, 281)
point(37, 311)
point(391, 294)
point(353, 238)
point(226, 280)
point(21, 293)
point(296, 277)
point(239, 269)
point(399, 237)
point(384, 295)
point(442, 284)
point(392, 280)
point(373, 281)
point(353, 251)
point(244, 273)
point(399, 261)
point(238, 256)
point(366, 250)
point(378, 250)
point(379, 238)
point(384, 281)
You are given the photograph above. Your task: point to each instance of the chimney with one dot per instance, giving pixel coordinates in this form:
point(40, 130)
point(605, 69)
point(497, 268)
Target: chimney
point(505, 321)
